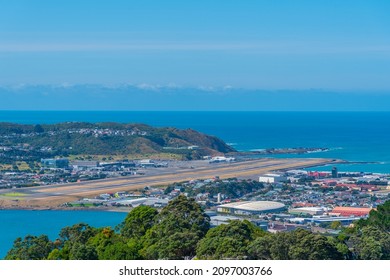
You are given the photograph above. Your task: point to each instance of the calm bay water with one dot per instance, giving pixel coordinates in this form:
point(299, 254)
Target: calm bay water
point(354, 136)
point(15, 223)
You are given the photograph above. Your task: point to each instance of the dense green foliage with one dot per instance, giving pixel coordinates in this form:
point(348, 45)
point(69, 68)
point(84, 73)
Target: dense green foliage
point(177, 229)
point(370, 238)
point(138, 222)
point(181, 231)
point(228, 241)
point(31, 248)
point(296, 245)
point(230, 189)
point(379, 218)
point(371, 243)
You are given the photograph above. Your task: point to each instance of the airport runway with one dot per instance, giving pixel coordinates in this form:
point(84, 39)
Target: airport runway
point(54, 195)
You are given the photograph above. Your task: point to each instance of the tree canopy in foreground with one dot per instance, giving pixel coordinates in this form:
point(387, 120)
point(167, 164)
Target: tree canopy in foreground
point(182, 230)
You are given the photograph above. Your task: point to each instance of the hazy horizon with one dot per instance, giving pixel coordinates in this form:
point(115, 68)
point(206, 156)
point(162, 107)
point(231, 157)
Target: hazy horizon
point(168, 98)
point(338, 45)
point(203, 55)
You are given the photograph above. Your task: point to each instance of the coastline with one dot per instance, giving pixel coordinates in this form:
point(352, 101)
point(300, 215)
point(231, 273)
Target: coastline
point(279, 151)
point(53, 196)
point(62, 208)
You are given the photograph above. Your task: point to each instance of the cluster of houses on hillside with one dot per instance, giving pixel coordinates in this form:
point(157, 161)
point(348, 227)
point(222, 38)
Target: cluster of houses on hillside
point(100, 132)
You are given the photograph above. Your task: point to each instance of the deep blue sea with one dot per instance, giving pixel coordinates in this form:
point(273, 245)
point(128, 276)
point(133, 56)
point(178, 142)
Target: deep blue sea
point(353, 136)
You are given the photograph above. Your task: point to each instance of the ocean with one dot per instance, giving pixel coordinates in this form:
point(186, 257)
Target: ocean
point(353, 136)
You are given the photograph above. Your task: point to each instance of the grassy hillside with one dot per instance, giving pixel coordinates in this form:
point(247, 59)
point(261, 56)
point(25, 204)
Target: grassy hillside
point(77, 138)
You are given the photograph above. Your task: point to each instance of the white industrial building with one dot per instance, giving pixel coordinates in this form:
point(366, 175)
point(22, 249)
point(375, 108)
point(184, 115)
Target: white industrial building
point(149, 201)
point(271, 178)
point(84, 164)
point(146, 163)
point(251, 207)
point(221, 159)
point(307, 211)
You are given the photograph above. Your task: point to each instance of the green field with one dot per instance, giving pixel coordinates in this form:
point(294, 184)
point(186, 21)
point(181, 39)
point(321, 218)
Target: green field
point(12, 195)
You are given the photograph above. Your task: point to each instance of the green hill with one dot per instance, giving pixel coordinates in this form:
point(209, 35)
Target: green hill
point(78, 138)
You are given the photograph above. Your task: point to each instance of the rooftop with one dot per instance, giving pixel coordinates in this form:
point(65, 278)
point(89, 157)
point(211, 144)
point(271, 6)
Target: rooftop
point(272, 175)
point(254, 205)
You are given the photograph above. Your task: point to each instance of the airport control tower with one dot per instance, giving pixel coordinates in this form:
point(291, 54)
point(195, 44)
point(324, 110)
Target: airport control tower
point(335, 172)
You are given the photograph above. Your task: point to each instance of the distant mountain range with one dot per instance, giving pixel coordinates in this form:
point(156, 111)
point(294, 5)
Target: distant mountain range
point(171, 97)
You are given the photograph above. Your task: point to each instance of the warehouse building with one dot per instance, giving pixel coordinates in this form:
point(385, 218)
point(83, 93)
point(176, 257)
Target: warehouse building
point(307, 211)
point(271, 178)
point(351, 211)
point(84, 164)
point(329, 219)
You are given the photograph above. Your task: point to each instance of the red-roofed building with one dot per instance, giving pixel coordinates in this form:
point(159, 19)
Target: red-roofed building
point(351, 211)
point(330, 183)
point(359, 187)
point(317, 174)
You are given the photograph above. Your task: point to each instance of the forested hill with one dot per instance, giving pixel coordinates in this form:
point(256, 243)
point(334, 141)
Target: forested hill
point(111, 138)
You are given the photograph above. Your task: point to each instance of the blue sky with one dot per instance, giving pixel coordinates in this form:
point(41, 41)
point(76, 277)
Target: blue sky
point(268, 45)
